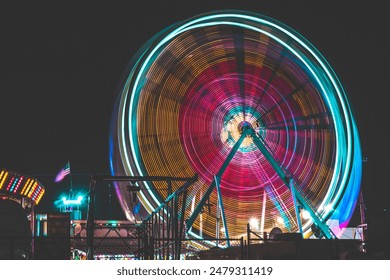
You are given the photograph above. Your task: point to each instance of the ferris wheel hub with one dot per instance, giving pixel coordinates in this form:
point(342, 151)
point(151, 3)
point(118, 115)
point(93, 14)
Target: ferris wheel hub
point(244, 126)
point(233, 130)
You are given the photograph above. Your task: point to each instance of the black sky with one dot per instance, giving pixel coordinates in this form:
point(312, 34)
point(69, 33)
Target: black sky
point(61, 66)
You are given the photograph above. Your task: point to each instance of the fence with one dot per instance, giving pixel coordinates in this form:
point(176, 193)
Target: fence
point(49, 248)
point(60, 248)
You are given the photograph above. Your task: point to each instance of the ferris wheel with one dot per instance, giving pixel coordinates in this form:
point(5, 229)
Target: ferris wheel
point(255, 110)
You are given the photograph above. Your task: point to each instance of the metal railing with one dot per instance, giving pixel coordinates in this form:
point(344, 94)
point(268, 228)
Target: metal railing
point(58, 248)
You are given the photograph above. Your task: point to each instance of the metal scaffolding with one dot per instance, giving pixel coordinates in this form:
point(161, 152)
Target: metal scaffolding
point(160, 235)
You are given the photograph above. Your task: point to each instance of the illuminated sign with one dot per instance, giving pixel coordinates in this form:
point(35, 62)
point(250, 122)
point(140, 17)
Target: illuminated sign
point(16, 184)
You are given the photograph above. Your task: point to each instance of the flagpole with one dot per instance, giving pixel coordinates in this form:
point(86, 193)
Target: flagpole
point(71, 182)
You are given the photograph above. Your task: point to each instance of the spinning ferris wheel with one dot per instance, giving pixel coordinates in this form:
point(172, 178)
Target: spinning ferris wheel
point(255, 110)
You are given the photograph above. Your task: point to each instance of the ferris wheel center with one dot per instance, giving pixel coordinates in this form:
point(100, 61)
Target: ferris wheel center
point(235, 127)
point(244, 126)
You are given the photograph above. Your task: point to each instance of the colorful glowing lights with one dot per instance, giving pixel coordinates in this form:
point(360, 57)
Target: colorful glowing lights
point(183, 107)
point(31, 189)
point(72, 201)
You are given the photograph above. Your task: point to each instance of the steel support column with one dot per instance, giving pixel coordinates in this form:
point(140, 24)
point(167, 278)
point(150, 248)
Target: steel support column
point(290, 185)
point(210, 189)
point(222, 209)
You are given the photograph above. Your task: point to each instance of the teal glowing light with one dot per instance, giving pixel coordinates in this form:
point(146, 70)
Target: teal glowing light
point(72, 201)
point(113, 223)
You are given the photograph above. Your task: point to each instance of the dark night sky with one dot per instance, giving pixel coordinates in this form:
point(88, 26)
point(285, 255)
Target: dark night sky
point(61, 66)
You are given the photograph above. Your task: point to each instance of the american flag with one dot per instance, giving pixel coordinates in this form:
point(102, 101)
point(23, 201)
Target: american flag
point(63, 172)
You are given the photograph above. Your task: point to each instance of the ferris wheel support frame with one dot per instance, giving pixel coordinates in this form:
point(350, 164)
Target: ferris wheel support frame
point(247, 130)
point(190, 221)
point(296, 207)
point(221, 211)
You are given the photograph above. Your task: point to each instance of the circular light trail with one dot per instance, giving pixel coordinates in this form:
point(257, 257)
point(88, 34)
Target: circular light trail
point(189, 92)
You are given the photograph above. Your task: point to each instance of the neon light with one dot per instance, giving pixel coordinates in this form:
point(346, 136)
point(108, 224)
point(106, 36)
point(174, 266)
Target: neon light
point(32, 189)
point(1, 175)
point(14, 184)
point(72, 201)
point(36, 192)
point(5, 174)
point(25, 186)
point(10, 183)
point(32, 182)
point(18, 185)
point(40, 196)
